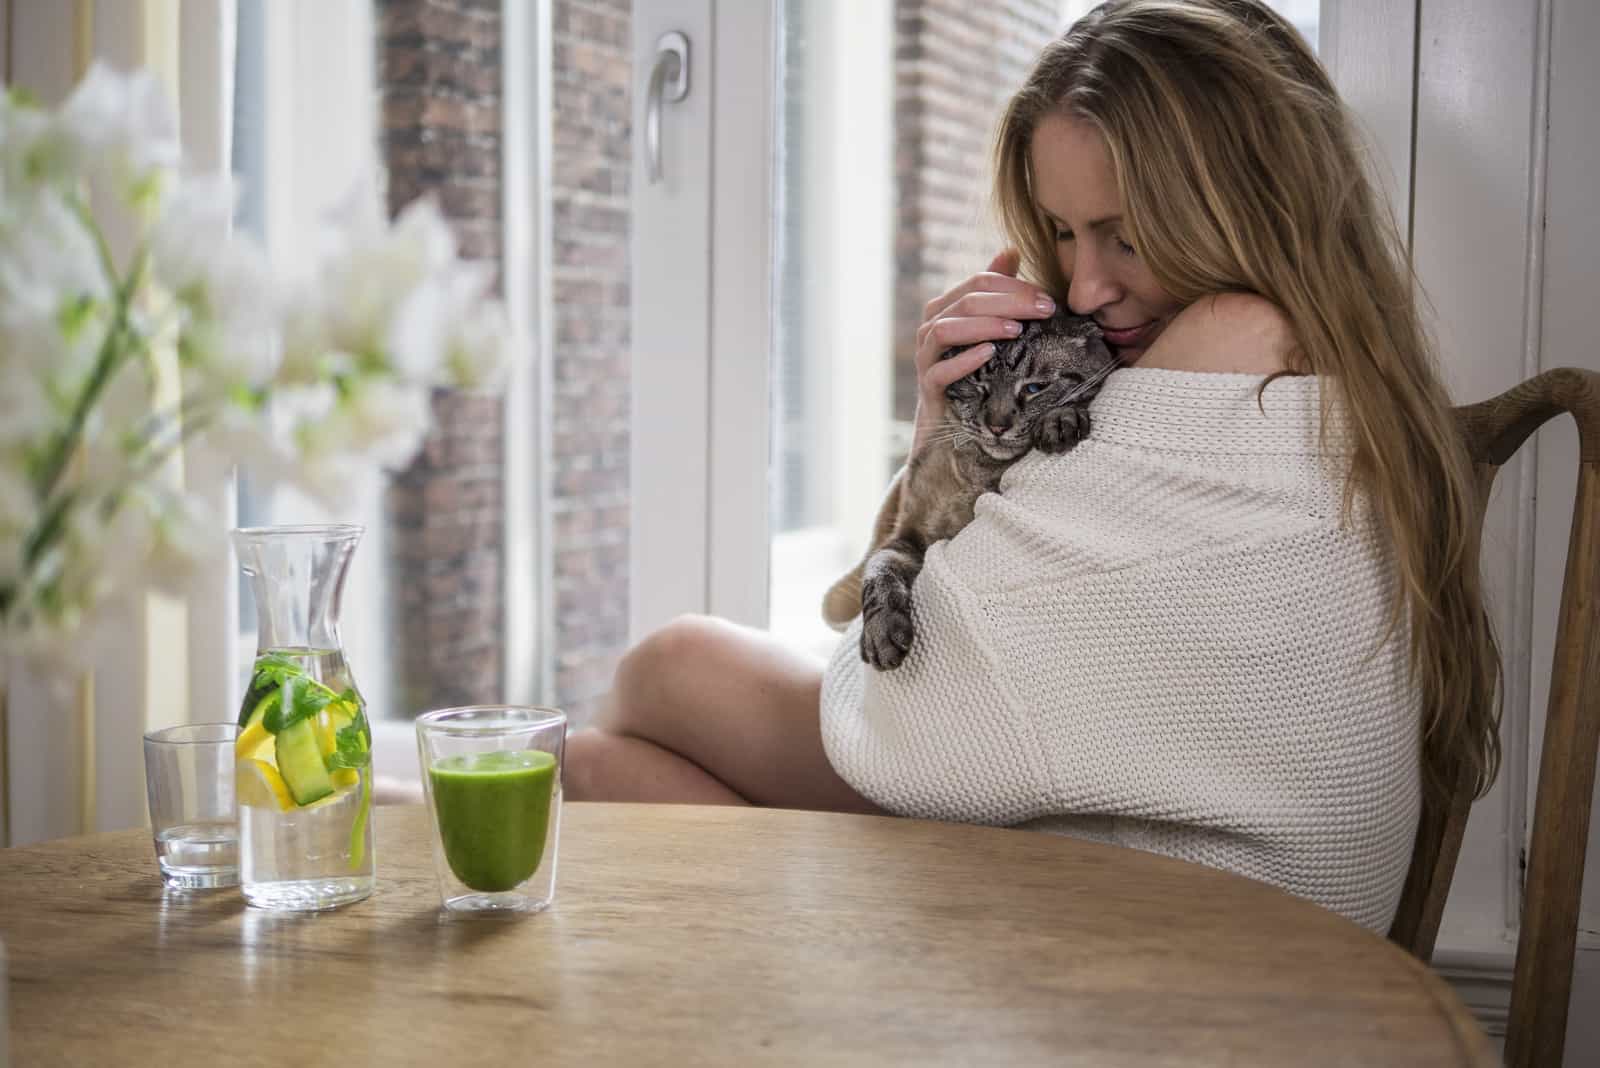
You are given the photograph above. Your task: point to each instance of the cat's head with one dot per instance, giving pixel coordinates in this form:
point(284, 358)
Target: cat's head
point(1054, 361)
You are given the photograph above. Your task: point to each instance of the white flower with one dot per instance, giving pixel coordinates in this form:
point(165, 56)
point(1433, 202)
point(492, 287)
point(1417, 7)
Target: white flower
point(381, 421)
point(33, 154)
point(223, 288)
point(55, 309)
point(52, 274)
point(334, 479)
point(246, 436)
point(194, 225)
point(478, 354)
point(120, 127)
point(230, 336)
point(386, 420)
point(296, 414)
point(323, 383)
point(374, 270)
point(48, 261)
point(182, 534)
point(424, 326)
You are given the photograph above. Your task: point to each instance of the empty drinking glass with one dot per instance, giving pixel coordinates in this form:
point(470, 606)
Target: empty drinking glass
point(188, 773)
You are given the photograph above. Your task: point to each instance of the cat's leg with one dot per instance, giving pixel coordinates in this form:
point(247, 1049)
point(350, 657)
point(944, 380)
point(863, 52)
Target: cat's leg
point(1061, 428)
point(703, 711)
point(842, 602)
point(886, 628)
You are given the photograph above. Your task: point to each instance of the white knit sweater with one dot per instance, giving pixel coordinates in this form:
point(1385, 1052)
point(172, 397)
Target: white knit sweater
point(1163, 639)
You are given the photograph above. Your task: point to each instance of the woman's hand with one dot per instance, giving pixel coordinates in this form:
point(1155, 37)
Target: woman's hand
point(1235, 333)
point(985, 307)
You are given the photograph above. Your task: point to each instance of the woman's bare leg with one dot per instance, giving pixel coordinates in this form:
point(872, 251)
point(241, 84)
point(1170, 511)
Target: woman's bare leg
point(705, 711)
point(603, 766)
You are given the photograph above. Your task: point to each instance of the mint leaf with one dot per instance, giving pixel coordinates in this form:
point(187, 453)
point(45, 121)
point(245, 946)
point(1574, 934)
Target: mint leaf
point(301, 699)
point(351, 747)
point(272, 669)
point(266, 679)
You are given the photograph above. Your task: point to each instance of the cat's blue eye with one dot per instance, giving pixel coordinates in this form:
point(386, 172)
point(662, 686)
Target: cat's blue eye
point(1031, 388)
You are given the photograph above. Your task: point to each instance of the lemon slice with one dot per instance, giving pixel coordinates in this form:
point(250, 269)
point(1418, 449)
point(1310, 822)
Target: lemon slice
point(329, 722)
point(255, 742)
point(260, 786)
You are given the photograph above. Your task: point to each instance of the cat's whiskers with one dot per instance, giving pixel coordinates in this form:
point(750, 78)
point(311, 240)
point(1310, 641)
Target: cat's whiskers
point(949, 432)
point(1091, 382)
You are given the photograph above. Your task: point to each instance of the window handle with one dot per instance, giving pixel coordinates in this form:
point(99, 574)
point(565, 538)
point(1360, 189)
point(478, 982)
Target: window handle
point(670, 80)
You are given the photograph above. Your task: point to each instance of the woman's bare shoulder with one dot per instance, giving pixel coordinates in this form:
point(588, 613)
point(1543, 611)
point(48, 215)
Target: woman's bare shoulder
point(1229, 333)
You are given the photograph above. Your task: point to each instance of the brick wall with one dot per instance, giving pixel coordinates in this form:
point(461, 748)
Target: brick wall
point(956, 64)
point(592, 58)
point(439, 99)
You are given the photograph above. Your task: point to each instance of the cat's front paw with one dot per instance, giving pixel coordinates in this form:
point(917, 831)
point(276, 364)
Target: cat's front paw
point(1061, 428)
point(886, 628)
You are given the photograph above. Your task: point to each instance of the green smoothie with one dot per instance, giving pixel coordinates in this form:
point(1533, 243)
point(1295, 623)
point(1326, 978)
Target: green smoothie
point(494, 813)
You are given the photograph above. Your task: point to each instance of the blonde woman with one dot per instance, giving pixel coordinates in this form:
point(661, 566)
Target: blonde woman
point(1241, 623)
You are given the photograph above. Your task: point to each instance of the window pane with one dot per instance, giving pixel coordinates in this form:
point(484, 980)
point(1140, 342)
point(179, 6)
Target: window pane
point(883, 185)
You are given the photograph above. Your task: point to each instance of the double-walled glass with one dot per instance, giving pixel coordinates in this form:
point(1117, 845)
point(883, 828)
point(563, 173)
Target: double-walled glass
point(304, 750)
point(492, 776)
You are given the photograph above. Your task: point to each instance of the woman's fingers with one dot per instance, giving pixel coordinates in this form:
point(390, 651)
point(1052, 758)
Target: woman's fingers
point(987, 282)
point(986, 317)
point(962, 364)
point(942, 334)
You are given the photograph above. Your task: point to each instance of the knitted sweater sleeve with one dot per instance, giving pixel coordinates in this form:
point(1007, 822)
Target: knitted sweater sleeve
point(1154, 650)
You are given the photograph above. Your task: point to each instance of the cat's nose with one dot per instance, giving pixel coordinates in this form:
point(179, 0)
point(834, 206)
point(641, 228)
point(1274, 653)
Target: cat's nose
point(998, 430)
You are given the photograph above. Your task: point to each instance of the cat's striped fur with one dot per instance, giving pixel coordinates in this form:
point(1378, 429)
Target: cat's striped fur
point(1033, 393)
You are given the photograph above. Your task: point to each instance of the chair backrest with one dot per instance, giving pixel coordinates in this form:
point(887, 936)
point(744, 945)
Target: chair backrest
point(1541, 987)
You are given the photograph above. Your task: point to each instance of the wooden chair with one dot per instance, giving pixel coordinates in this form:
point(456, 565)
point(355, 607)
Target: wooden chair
point(1541, 987)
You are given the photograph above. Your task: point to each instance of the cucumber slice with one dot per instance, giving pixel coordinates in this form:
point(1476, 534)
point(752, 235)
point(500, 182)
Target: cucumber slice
point(300, 763)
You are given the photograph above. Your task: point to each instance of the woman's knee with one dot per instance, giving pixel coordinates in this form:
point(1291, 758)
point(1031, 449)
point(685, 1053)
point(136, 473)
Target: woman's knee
point(652, 674)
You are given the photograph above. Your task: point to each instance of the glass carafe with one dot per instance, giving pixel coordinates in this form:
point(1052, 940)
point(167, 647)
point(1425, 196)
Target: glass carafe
point(304, 753)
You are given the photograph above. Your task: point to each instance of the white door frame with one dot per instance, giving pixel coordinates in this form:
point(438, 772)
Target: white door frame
point(670, 334)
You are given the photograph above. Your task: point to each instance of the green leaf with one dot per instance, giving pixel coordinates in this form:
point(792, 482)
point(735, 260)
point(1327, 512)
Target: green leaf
point(351, 746)
point(74, 315)
point(302, 699)
point(266, 678)
point(272, 669)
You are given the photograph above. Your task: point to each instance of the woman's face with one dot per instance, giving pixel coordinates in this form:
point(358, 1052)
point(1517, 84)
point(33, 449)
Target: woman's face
point(1077, 191)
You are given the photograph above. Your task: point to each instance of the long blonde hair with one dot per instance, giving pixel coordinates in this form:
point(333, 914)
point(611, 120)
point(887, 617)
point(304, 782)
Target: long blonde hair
point(1239, 172)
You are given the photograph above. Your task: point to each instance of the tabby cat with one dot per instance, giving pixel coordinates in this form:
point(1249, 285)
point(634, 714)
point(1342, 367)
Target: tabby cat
point(1034, 392)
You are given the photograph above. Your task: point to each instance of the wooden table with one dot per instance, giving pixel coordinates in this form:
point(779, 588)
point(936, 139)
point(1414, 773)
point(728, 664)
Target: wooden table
point(686, 935)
